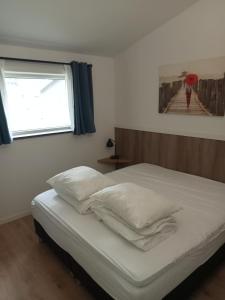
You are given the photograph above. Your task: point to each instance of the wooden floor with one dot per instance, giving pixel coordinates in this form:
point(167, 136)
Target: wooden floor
point(30, 271)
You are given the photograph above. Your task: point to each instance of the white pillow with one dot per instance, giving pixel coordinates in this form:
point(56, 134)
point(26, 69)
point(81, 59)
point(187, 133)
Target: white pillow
point(80, 182)
point(137, 206)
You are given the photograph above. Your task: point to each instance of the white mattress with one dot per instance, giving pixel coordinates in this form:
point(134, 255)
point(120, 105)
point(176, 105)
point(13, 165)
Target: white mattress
point(124, 271)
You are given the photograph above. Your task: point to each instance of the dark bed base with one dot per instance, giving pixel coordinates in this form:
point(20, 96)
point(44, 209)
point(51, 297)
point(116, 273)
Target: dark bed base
point(183, 291)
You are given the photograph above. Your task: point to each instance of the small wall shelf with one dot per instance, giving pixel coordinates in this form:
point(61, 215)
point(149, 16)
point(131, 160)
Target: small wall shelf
point(118, 162)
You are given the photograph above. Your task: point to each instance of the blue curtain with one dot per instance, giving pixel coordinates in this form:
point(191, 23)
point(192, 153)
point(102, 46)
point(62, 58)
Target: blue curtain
point(4, 131)
point(83, 98)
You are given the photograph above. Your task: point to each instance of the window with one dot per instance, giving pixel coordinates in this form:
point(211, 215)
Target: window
point(37, 103)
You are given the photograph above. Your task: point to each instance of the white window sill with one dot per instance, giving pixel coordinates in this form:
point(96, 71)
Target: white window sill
point(39, 134)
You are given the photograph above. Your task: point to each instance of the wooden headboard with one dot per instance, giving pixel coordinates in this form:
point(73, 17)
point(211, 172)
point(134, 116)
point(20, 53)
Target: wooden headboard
point(198, 156)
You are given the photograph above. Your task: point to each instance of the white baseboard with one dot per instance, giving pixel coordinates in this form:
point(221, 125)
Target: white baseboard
point(14, 217)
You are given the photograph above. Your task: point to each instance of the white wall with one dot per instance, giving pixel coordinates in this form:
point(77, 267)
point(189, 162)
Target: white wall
point(197, 33)
point(26, 164)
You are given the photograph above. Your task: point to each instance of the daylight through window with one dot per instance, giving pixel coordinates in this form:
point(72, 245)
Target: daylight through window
point(37, 103)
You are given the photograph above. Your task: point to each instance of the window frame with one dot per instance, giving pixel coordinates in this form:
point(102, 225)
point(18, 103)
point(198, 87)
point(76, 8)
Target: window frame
point(20, 134)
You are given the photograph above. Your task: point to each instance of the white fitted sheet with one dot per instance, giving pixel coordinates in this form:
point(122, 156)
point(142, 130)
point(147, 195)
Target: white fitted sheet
point(124, 271)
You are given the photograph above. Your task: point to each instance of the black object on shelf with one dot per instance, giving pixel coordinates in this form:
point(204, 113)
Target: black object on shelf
point(110, 143)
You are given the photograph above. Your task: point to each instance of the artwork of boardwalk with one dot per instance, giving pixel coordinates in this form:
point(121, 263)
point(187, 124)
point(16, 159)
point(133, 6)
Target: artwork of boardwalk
point(178, 104)
point(202, 80)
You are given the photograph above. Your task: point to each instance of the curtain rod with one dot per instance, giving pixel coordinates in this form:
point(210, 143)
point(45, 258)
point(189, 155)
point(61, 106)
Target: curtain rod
point(38, 61)
point(35, 60)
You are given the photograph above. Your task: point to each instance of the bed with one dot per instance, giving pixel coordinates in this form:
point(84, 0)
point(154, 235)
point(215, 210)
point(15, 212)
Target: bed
point(120, 269)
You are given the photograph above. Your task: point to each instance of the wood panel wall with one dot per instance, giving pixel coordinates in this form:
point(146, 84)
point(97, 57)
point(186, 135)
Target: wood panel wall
point(198, 156)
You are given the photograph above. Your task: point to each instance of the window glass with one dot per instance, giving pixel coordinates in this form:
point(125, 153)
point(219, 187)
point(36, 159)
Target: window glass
point(37, 103)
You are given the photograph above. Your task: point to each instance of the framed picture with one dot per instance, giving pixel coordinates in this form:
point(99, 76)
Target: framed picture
point(193, 88)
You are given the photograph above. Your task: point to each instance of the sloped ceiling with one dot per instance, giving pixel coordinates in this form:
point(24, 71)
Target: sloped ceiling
point(101, 27)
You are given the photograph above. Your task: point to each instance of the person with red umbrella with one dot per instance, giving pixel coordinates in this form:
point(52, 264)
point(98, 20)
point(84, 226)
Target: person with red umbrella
point(190, 81)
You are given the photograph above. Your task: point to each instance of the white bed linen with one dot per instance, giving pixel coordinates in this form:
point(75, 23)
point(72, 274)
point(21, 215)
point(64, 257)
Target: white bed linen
point(83, 207)
point(145, 238)
point(120, 268)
